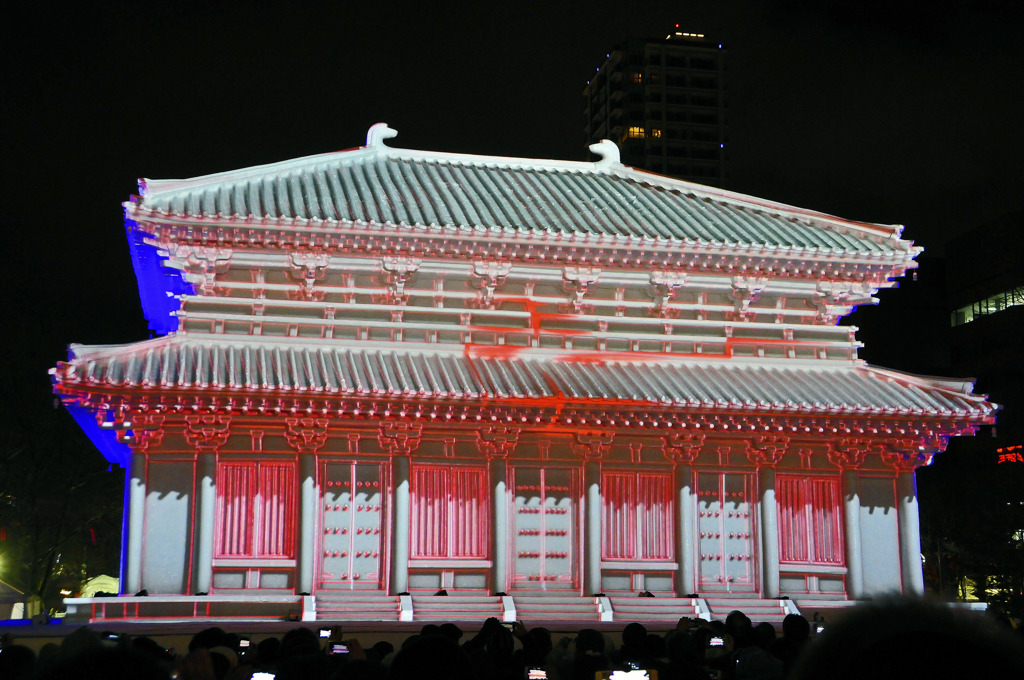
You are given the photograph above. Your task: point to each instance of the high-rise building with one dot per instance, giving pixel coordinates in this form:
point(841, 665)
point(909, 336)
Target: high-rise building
point(985, 288)
point(663, 102)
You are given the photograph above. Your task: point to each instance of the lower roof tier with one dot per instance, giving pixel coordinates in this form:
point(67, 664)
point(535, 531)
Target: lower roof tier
point(184, 364)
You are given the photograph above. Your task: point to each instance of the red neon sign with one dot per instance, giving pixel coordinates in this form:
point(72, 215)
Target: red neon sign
point(1011, 454)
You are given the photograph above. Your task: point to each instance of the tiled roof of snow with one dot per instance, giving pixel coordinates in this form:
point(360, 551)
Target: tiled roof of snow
point(178, 362)
point(469, 194)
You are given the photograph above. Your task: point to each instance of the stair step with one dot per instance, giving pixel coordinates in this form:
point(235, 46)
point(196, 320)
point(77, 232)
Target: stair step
point(461, 600)
point(462, 607)
point(447, 602)
point(652, 609)
point(758, 610)
point(548, 615)
point(355, 606)
point(557, 608)
point(361, 616)
point(348, 598)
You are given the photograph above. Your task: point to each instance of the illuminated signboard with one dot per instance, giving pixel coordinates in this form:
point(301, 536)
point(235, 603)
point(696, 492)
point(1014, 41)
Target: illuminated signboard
point(1011, 454)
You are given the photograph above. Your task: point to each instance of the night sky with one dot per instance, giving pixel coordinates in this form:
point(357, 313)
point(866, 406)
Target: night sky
point(876, 111)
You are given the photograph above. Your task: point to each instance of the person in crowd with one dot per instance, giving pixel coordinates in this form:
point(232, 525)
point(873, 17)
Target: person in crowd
point(451, 630)
point(379, 650)
point(902, 638)
point(432, 657)
point(536, 647)
point(686, 655)
point(490, 651)
point(634, 646)
point(208, 638)
point(590, 657)
point(796, 633)
point(17, 662)
point(267, 653)
point(892, 639)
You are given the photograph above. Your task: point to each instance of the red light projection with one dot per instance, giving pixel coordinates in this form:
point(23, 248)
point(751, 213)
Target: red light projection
point(406, 372)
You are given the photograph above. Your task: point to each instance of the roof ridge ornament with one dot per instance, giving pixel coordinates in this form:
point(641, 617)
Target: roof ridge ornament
point(609, 153)
point(377, 133)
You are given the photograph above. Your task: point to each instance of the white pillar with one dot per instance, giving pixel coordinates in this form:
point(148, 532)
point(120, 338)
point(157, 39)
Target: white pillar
point(308, 503)
point(136, 523)
point(910, 533)
point(686, 577)
point(592, 537)
point(851, 527)
point(769, 531)
point(400, 535)
point(499, 533)
point(206, 493)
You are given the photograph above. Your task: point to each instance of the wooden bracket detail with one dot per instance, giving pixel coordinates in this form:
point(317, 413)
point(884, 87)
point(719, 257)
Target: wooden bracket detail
point(306, 435)
point(307, 269)
point(767, 450)
point(497, 441)
point(207, 433)
point(591, 445)
point(488, 276)
point(147, 432)
point(401, 439)
point(683, 447)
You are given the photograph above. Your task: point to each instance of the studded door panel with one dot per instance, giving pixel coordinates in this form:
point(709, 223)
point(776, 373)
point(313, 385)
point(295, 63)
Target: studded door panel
point(546, 531)
point(353, 526)
point(725, 532)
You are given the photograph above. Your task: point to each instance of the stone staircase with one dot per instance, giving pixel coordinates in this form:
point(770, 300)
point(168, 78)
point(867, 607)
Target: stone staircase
point(653, 608)
point(535, 609)
point(353, 606)
point(439, 609)
point(759, 610)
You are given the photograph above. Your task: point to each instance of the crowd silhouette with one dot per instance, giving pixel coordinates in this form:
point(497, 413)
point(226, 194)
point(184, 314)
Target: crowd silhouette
point(889, 639)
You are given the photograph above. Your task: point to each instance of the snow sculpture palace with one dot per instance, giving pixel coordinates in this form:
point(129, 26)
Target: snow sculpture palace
point(383, 371)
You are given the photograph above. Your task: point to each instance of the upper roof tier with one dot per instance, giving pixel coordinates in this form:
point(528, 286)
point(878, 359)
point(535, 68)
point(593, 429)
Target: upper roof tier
point(510, 198)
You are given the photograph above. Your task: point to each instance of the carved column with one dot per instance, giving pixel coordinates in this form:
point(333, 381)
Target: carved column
point(766, 452)
point(307, 436)
point(496, 443)
point(683, 449)
point(847, 455)
point(206, 434)
point(400, 440)
point(135, 481)
point(135, 500)
point(906, 459)
point(591, 447)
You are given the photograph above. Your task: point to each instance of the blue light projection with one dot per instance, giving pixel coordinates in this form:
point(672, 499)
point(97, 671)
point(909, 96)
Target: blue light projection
point(106, 441)
point(159, 285)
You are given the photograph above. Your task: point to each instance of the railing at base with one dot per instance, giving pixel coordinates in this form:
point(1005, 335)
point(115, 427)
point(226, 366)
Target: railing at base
point(173, 608)
point(185, 607)
point(700, 605)
point(789, 607)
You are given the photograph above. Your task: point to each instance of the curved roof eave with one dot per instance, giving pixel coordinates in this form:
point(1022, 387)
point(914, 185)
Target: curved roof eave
point(180, 362)
point(564, 196)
